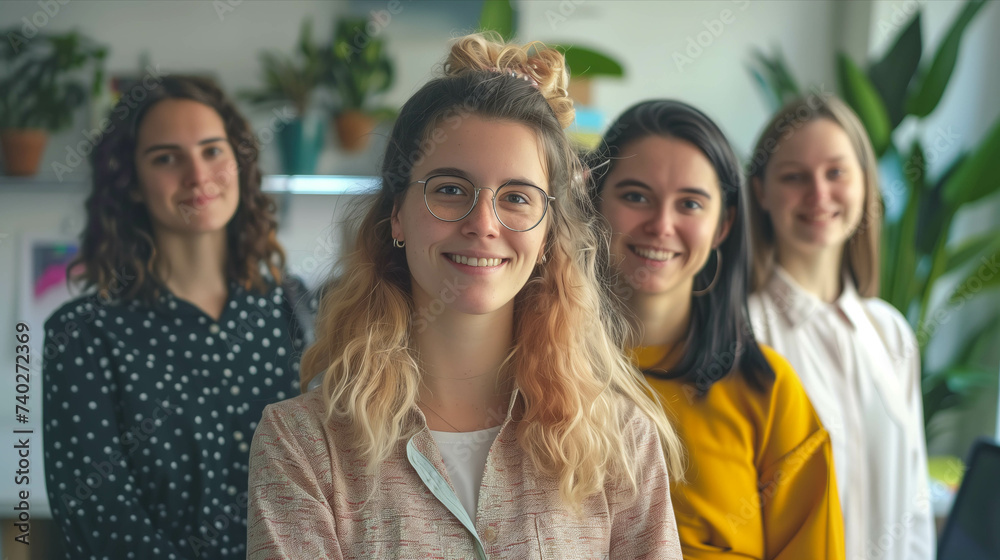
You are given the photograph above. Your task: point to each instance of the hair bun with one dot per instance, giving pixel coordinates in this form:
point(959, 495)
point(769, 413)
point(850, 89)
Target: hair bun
point(544, 66)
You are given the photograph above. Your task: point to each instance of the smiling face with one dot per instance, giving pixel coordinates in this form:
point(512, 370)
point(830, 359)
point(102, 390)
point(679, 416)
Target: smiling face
point(664, 204)
point(475, 265)
point(813, 189)
point(187, 170)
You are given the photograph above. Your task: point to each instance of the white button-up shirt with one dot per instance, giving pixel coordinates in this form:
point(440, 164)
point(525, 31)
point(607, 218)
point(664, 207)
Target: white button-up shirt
point(860, 365)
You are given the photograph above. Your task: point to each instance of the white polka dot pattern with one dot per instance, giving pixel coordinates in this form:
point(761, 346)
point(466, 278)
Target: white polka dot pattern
point(148, 411)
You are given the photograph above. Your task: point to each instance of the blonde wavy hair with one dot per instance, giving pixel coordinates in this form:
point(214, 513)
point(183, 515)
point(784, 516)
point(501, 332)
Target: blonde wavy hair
point(575, 383)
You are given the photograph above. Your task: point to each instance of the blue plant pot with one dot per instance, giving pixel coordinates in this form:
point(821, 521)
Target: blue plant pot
point(301, 141)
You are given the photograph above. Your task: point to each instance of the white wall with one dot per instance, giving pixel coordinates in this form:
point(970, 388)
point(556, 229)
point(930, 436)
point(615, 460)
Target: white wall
point(661, 47)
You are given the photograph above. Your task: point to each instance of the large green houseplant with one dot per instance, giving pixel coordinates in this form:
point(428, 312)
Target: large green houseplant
point(43, 81)
point(918, 251)
point(357, 67)
point(294, 80)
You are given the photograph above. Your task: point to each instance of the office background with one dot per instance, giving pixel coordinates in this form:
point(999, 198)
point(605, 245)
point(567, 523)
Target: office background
point(696, 51)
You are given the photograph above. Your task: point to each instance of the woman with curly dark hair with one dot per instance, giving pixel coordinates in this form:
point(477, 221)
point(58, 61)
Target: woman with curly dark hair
point(155, 379)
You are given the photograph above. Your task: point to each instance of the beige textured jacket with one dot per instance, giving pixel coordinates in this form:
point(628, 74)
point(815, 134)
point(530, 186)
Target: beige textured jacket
point(309, 498)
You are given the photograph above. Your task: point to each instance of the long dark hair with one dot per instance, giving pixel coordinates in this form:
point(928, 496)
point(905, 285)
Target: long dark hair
point(720, 339)
point(117, 242)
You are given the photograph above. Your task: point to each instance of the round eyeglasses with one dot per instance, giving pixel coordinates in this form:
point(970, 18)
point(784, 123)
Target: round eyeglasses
point(518, 207)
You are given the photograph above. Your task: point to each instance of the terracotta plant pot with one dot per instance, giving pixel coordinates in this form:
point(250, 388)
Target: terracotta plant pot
point(22, 150)
point(354, 130)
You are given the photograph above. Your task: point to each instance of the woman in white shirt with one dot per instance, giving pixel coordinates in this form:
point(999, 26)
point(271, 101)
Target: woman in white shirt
point(815, 221)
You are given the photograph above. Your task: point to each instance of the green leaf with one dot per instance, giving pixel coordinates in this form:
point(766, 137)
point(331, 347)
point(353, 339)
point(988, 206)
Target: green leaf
point(774, 72)
point(938, 258)
point(893, 73)
point(770, 92)
point(966, 381)
point(980, 341)
point(905, 255)
point(935, 80)
point(932, 219)
point(971, 248)
point(499, 16)
point(978, 175)
point(789, 87)
point(383, 113)
point(952, 387)
point(937, 397)
point(983, 278)
point(887, 290)
point(860, 94)
point(588, 63)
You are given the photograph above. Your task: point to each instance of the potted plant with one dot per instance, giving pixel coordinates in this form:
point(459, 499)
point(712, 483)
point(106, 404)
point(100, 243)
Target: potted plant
point(584, 65)
point(358, 69)
point(294, 80)
point(40, 88)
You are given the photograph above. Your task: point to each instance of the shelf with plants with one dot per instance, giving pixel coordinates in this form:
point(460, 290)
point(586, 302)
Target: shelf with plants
point(341, 79)
point(273, 184)
point(43, 82)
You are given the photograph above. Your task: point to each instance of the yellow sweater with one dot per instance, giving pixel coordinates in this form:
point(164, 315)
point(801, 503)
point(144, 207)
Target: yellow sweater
point(760, 481)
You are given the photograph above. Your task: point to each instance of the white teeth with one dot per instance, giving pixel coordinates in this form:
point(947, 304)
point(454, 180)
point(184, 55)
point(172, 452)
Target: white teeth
point(475, 261)
point(821, 216)
point(654, 254)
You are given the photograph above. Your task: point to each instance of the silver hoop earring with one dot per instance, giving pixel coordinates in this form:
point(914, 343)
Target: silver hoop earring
point(718, 270)
point(397, 243)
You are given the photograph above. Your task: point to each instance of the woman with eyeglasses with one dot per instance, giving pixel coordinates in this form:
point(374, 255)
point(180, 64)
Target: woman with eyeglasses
point(816, 222)
point(474, 400)
point(760, 480)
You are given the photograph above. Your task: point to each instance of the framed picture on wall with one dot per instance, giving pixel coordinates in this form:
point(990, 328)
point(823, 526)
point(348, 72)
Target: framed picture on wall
point(43, 287)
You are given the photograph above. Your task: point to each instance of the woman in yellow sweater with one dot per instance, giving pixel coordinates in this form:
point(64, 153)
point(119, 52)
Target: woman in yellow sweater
point(760, 480)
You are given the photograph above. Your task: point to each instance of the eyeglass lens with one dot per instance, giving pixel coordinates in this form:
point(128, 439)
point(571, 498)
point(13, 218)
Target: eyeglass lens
point(518, 207)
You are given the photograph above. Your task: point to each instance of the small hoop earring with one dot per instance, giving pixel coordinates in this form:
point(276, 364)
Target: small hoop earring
point(397, 243)
point(718, 270)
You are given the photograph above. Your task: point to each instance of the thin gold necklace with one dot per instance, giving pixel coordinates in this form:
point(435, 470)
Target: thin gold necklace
point(445, 420)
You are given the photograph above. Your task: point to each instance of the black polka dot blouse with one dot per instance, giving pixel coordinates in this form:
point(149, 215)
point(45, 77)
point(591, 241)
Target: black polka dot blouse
point(148, 416)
